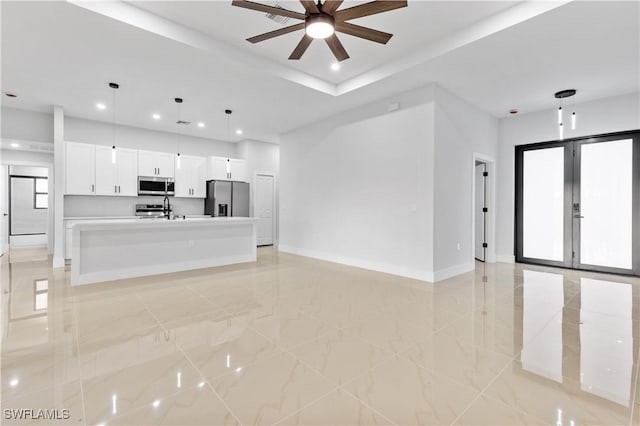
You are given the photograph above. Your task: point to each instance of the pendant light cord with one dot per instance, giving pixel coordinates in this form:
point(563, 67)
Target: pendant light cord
point(113, 132)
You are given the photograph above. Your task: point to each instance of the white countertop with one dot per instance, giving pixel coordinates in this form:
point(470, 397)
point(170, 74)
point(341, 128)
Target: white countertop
point(189, 216)
point(161, 222)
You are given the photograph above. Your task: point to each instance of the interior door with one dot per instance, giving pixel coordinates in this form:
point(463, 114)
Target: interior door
point(479, 214)
point(578, 203)
point(4, 213)
point(263, 208)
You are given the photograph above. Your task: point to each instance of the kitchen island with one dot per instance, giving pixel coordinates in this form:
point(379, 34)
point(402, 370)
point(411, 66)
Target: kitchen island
point(105, 251)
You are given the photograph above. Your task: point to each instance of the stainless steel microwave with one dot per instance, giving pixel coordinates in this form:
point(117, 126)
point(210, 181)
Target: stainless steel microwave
point(150, 185)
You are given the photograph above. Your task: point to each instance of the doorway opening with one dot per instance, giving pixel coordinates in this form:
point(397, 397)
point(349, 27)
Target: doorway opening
point(28, 212)
point(483, 209)
point(264, 206)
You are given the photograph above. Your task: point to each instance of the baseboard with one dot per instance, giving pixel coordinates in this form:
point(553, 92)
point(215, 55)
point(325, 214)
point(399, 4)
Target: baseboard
point(417, 274)
point(28, 241)
point(505, 258)
point(452, 271)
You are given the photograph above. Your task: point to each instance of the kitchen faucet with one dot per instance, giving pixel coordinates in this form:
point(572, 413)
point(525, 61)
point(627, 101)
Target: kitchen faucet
point(166, 206)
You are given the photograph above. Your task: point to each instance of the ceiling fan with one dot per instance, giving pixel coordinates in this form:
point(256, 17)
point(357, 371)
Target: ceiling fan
point(323, 20)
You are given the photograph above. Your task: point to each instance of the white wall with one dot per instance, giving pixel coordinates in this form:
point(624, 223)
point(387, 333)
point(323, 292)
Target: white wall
point(261, 157)
point(27, 125)
point(606, 115)
point(99, 133)
point(461, 130)
point(358, 188)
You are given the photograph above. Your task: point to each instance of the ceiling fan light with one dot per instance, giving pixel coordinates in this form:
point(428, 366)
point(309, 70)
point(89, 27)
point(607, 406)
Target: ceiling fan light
point(319, 26)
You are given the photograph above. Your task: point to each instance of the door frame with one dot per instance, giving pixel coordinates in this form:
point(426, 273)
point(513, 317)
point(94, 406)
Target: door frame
point(490, 231)
point(571, 177)
point(274, 221)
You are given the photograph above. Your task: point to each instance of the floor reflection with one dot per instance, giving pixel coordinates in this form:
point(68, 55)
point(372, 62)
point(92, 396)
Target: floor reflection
point(506, 344)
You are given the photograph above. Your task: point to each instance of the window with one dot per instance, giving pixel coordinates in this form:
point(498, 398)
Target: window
point(41, 194)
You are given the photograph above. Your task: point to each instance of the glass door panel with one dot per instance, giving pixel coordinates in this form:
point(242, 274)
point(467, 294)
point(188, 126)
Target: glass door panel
point(543, 204)
point(604, 212)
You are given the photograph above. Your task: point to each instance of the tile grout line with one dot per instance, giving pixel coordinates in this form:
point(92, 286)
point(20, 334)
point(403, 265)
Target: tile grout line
point(77, 338)
point(184, 354)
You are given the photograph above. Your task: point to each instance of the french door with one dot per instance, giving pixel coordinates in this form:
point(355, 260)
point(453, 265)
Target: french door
point(578, 203)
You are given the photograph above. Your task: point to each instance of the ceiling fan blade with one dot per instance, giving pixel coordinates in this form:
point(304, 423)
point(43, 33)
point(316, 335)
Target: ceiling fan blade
point(363, 32)
point(310, 6)
point(367, 9)
point(268, 9)
point(336, 48)
point(271, 34)
point(301, 47)
point(330, 6)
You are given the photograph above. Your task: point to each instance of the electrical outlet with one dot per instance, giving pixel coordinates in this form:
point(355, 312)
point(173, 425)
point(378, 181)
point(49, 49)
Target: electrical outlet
point(191, 243)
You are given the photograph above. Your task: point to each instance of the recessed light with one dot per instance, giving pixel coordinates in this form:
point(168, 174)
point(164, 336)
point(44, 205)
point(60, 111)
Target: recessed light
point(101, 106)
point(15, 145)
point(156, 116)
point(201, 124)
point(239, 132)
point(11, 95)
point(335, 66)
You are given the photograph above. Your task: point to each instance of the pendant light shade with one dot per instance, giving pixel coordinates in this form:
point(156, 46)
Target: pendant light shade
point(114, 87)
point(178, 101)
point(562, 95)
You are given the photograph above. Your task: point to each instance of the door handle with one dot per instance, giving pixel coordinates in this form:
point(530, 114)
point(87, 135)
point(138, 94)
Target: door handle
point(577, 216)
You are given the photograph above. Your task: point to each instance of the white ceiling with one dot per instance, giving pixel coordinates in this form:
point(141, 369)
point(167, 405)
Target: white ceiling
point(496, 55)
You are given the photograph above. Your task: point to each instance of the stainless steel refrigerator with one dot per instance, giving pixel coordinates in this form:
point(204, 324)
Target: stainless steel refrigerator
point(226, 198)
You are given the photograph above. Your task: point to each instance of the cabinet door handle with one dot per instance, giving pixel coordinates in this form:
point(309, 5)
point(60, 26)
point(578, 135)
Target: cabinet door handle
point(93, 187)
point(115, 188)
point(118, 189)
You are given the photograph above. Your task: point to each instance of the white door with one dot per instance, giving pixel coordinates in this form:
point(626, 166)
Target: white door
point(164, 162)
point(80, 168)
point(105, 171)
point(4, 213)
point(263, 208)
point(127, 171)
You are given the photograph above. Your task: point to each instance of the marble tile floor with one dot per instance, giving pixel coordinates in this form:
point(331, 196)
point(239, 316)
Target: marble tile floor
point(291, 340)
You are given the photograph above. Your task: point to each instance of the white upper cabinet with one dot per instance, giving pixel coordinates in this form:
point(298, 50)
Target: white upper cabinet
point(220, 168)
point(152, 163)
point(105, 171)
point(80, 169)
point(191, 177)
point(116, 171)
point(237, 170)
point(127, 171)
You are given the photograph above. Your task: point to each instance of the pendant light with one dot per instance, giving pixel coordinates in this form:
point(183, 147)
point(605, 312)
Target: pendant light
point(228, 112)
point(562, 95)
point(178, 122)
point(114, 87)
